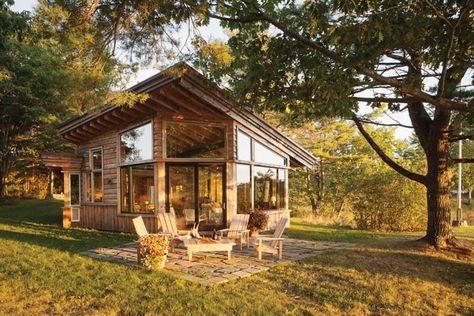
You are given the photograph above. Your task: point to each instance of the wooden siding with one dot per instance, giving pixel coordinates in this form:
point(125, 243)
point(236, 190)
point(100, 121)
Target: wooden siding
point(104, 217)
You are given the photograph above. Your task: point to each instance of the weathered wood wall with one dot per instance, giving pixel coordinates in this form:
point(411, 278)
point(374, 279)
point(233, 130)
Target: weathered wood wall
point(104, 217)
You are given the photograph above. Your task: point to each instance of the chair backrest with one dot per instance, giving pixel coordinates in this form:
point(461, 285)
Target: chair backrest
point(239, 222)
point(168, 223)
point(139, 226)
point(279, 229)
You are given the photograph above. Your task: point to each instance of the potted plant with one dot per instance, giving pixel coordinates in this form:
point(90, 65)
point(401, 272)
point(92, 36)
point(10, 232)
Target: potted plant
point(258, 220)
point(152, 251)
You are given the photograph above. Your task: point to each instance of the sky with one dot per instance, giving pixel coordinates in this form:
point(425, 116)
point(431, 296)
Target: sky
point(214, 31)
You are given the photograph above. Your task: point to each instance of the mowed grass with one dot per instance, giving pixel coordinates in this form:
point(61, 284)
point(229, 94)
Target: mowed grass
point(42, 272)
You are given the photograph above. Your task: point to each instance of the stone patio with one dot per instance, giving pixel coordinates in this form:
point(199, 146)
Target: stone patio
point(209, 268)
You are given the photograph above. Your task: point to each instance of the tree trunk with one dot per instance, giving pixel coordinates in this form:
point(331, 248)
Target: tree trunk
point(49, 192)
point(469, 196)
point(438, 180)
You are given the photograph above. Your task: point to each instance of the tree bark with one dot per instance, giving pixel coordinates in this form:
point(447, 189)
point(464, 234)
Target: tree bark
point(438, 232)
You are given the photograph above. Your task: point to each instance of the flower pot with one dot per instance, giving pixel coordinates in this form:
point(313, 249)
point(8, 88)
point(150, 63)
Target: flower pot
point(254, 232)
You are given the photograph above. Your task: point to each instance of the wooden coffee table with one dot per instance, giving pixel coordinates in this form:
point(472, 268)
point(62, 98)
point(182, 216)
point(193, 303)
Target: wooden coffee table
point(206, 245)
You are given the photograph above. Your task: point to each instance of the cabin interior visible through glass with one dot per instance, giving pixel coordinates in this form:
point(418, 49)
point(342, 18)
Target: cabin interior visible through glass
point(196, 161)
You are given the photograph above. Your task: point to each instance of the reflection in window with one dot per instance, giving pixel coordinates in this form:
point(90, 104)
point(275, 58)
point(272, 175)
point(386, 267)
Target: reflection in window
point(184, 140)
point(210, 194)
point(181, 194)
point(137, 144)
point(243, 147)
point(74, 189)
point(264, 155)
point(94, 178)
point(137, 189)
point(244, 187)
point(281, 188)
point(265, 188)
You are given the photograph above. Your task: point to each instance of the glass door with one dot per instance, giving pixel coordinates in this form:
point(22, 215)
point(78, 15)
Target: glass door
point(195, 194)
point(181, 199)
point(211, 195)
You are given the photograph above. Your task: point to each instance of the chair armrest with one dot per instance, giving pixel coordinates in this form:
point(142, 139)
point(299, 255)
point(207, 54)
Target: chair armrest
point(223, 230)
point(163, 233)
point(184, 232)
point(238, 230)
point(269, 238)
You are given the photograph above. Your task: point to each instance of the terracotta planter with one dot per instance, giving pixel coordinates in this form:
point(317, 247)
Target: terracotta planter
point(254, 232)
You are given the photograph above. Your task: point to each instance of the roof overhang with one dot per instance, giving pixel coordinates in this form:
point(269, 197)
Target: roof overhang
point(65, 161)
point(181, 80)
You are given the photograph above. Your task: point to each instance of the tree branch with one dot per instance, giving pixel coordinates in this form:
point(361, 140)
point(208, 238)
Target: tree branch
point(389, 161)
point(382, 99)
point(362, 120)
point(402, 87)
point(462, 160)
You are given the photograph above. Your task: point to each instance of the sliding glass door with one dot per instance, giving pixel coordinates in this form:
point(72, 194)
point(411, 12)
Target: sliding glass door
point(195, 194)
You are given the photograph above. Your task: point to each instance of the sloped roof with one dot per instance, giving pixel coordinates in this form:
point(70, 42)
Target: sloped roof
point(189, 79)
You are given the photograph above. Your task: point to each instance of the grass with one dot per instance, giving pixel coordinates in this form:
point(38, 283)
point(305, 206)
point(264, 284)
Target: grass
point(41, 272)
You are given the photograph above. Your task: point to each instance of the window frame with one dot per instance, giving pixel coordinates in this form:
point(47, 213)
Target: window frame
point(252, 152)
point(129, 165)
point(91, 172)
point(199, 159)
point(132, 127)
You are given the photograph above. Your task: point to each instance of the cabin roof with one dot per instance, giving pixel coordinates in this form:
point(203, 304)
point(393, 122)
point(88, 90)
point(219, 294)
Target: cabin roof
point(186, 81)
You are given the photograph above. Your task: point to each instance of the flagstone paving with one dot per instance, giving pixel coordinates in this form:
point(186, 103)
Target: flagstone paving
point(209, 268)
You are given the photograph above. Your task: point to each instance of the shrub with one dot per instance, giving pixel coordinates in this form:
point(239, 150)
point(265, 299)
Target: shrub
point(389, 202)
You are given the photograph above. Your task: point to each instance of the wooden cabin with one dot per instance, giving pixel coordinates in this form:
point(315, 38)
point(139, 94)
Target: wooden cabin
point(187, 150)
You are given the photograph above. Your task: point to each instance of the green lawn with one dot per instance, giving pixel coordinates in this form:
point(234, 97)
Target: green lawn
point(41, 272)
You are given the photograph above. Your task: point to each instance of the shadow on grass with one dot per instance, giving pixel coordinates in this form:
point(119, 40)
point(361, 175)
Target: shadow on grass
point(379, 271)
point(71, 239)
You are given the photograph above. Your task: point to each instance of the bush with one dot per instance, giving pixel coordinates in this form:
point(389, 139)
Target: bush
point(389, 202)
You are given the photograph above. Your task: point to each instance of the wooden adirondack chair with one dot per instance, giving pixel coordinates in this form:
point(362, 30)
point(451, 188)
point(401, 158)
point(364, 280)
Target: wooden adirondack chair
point(238, 229)
point(168, 225)
point(272, 244)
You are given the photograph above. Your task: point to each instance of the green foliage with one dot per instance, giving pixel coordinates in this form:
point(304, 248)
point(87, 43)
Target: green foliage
point(48, 72)
point(350, 179)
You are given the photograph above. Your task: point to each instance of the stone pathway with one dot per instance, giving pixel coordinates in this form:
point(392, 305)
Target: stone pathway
point(209, 268)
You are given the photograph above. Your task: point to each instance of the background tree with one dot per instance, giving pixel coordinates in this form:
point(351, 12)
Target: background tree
point(48, 72)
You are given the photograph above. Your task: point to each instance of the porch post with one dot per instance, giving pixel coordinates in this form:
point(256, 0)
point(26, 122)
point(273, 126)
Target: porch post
point(67, 201)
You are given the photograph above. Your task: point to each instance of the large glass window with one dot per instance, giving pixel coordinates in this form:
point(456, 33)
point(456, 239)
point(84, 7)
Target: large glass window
point(265, 155)
point(137, 144)
point(185, 140)
point(181, 195)
point(244, 187)
point(244, 147)
point(94, 178)
point(138, 188)
point(210, 194)
point(265, 188)
point(137, 181)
